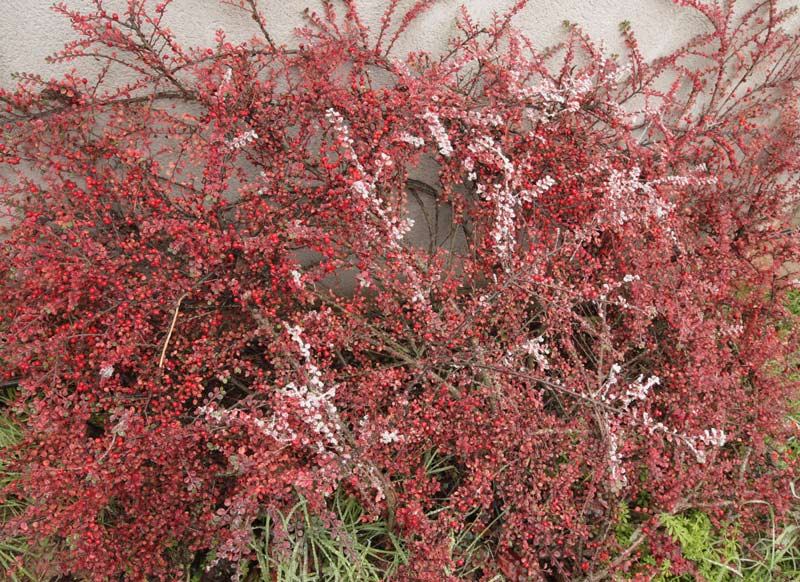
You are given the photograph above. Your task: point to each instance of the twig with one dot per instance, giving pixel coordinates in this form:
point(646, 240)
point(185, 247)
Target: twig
point(260, 21)
point(171, 328)
point(108, 450)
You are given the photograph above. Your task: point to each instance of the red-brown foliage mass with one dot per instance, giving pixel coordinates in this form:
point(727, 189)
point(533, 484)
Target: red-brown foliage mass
point(214, 303)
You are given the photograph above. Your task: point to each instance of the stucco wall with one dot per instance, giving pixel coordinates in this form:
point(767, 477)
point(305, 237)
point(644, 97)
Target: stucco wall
point(30, 30)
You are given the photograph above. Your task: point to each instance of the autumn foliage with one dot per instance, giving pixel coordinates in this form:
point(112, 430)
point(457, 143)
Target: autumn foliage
point(214, 302)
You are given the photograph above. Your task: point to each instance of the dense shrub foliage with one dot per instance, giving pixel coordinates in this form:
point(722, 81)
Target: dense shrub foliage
point(216, 305)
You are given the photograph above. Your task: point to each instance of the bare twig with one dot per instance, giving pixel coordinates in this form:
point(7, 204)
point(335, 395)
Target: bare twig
point(171, 328)
point(260, 21)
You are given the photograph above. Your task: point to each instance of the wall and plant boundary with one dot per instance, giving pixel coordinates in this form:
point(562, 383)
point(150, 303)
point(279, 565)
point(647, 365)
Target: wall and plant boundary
point(581, 371)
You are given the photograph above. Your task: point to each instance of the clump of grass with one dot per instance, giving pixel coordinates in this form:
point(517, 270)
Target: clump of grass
point(719, 556)
point(792, 301)
point(19, 560)
point(350, 550)
point(472, 549)
point(775, 556)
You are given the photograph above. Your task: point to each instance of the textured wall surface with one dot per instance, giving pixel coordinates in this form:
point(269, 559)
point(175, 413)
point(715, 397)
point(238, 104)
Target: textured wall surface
point(30, 30)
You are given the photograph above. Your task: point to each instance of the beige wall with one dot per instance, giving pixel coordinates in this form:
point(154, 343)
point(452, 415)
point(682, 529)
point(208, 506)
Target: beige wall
point(30, 30)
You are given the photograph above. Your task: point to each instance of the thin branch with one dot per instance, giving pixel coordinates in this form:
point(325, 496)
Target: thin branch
point(260, 21)
point(171, 328)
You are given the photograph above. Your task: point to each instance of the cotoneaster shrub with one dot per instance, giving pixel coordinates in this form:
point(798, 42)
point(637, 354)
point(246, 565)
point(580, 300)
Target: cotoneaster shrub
point(214, 307)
